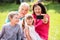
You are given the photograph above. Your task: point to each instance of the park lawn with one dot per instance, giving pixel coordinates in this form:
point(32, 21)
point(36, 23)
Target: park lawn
point(54, 12)
point(53, 9)
point(4, 9)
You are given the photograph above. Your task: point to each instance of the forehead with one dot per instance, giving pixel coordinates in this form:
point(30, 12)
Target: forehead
point(24, 7)
point(29, 17)
point(37, 6)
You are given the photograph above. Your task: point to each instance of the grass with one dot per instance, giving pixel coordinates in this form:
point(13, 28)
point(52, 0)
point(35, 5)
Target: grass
point(54, 12)
point(53, 9)
point(4, 9)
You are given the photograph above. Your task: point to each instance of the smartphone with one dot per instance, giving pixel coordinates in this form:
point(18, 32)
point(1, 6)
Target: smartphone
point(40, 17)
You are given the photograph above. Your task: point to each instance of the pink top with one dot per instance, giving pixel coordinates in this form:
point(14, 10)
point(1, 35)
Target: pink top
point(41, 28)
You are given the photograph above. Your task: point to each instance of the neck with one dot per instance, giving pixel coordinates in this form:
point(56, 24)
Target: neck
point(29, 24)
point(12, 24)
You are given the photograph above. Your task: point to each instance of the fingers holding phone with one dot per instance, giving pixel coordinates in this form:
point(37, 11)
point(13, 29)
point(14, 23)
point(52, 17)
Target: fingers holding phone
point(45, 19)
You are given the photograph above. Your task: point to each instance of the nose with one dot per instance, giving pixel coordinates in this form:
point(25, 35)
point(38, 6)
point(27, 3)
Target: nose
point(17, 20)
point(24, 12)
point(37, 10)
point(30, 19)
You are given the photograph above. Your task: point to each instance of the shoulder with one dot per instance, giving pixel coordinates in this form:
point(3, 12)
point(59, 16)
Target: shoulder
point(18, 25)
point(5, 25)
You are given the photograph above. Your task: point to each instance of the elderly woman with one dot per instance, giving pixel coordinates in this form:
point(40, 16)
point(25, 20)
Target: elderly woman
point(22, 11)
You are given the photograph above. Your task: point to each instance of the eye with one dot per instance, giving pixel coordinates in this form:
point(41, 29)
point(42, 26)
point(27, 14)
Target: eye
point(22, 9)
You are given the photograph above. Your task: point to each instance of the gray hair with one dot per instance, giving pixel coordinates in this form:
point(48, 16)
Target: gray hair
point(24, 4)
point(12, 13)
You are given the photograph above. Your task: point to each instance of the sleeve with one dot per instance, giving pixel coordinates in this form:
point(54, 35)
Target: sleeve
point(2, 32)
point(21, 34)
point(48, 17)
point(39, 23)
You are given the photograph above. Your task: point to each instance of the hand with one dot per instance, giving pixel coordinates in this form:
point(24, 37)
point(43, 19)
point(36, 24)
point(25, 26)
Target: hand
point(27, 34)
point(26, 31)
point(45, 19)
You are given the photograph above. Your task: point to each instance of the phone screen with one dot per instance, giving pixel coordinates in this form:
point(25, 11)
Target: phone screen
point(40, 17)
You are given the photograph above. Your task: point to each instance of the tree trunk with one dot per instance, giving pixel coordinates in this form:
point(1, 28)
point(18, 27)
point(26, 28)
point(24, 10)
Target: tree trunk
point(18, 2)
point(58, 1)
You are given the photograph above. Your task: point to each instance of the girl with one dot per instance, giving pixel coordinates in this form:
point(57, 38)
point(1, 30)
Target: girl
point(41, 20)
point(29, 28)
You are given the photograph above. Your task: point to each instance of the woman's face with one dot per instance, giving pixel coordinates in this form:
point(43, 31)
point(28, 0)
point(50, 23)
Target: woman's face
point(37, 10)
point(24, 10)
point(29, 21)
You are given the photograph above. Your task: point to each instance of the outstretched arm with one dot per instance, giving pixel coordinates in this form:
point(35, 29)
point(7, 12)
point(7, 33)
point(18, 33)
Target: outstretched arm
point(27, 34)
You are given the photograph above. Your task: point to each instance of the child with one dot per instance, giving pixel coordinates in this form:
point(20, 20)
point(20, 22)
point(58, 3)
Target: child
point(12, 30)
point(29, 29)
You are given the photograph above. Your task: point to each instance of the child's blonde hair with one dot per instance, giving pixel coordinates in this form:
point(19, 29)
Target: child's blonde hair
point(28, 16)
point(12, 13)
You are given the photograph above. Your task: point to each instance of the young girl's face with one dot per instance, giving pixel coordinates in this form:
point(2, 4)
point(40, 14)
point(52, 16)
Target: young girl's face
point(15, 19)
point(29, 21)
point(37, 10)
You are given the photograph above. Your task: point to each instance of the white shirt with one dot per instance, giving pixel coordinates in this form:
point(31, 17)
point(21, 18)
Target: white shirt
point(33, 33)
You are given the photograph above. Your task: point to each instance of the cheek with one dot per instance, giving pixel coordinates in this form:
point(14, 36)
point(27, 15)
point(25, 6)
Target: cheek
point(17, 20)
point(14, 19)
point(27, 22)
point(32, 21)
point(40, 10)
point(35, 10)
point(25, 11)
point(22, 10)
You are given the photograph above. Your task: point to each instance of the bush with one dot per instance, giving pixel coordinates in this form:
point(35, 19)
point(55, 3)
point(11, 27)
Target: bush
point(1, 1)
point(8, 1)
point(58, 1)
point(54, 0)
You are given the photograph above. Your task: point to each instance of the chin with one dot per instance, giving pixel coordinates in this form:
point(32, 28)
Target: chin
point(16, 23)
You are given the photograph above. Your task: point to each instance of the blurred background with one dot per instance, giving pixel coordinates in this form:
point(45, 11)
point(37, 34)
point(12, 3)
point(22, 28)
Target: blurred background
point(53, 9)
